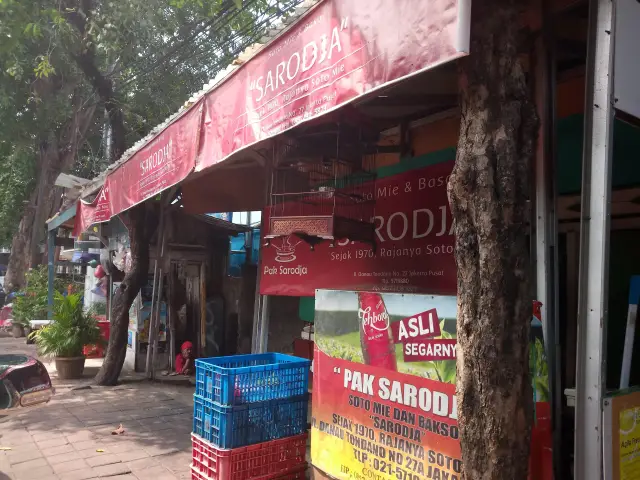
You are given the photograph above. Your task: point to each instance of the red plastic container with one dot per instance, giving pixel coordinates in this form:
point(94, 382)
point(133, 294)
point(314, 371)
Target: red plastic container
point(97, 351)
point(295, 474)
point(541, 458)
point(298, 473)
point(268, 460)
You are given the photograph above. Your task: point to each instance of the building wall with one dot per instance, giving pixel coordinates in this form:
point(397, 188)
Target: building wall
point(284, 324)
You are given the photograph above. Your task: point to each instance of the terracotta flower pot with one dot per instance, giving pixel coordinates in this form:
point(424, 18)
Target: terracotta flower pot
point(69, 367)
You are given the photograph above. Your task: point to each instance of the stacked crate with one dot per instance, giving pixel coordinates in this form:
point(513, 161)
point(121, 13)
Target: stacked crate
point(250, 417)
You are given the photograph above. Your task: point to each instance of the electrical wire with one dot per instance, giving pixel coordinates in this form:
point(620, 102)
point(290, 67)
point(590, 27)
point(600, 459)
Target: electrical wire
point(188, 42)
point(250, 34)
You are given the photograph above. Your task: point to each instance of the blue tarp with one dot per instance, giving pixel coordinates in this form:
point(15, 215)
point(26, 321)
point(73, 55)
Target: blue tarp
point(237, 255)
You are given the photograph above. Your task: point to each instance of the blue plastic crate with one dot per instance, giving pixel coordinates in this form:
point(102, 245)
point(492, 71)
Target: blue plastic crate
point(233, 427)
point(242, 379)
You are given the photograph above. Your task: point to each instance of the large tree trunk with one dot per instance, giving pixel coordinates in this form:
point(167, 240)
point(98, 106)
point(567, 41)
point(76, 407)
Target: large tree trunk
point(141, 223)
point(56, 155)
point(14, 280)
point(488, 192)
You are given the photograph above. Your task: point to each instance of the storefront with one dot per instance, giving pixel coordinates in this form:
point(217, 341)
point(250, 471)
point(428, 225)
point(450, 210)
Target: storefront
point(378, 94)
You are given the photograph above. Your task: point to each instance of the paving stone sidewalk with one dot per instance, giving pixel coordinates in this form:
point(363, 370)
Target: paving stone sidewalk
point(70, 438)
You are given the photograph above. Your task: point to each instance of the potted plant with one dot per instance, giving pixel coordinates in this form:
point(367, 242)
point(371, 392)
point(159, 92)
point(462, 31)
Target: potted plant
point(31, 304)
point(72, 328)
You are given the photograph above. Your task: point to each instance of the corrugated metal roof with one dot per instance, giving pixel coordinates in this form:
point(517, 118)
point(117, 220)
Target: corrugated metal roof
point(281, 27)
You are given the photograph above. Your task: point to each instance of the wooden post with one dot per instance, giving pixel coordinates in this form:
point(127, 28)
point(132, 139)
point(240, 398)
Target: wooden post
point(156, 294)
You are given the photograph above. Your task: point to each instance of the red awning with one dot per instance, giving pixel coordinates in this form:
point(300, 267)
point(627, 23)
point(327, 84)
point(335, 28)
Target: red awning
point(160, 164)
point(340, 51)
point(90, 213)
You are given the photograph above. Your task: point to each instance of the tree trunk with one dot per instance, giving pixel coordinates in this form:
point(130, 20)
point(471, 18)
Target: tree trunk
point(25, 248)
point(488, 193)
point(140, 224)
point(52, 163)
point(14, 280)
point(56, 155)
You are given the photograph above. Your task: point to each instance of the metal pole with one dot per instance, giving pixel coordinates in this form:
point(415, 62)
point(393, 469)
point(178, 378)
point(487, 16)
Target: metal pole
point(148, 366)
point(248, 240)
point(263, 338)
point(257, 308)
point(259, 340)
point(171, 321)
point(51, 269)
point(594, 242)
point(630, 333)
point(159, 300)
point(155, 298)
point(547, 275)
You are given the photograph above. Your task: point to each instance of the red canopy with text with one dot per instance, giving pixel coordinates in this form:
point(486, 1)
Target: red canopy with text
point(340, 51)
point(160, 164)
point(90, 213)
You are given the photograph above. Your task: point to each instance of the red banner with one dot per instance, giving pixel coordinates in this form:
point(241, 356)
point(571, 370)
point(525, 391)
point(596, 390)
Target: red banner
point(88, 214)
point(420, 326)
point(160, 164)
point(414, 254)
point(342, 50)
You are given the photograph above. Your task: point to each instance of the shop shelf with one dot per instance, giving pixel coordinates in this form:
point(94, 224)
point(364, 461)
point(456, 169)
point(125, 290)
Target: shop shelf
point(277, 457)
point(242, 379)
point(233, 427)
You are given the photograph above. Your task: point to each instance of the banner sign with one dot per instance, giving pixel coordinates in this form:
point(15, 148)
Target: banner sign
point(414, 245)
point(377, 414)
point(622, 435)
point(160, 164)
point(88, 214)
point(384, 404)
point(340, 51)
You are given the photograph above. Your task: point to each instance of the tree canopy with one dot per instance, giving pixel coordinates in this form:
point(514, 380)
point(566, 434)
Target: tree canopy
point(137, 59)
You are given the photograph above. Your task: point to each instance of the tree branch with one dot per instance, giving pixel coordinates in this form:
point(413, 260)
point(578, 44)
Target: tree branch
point(86, 60)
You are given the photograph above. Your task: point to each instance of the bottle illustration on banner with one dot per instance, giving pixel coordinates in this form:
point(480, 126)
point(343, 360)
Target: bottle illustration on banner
point(375, 333)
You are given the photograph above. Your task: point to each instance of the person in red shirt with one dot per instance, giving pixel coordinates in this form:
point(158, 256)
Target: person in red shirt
point(185, 364)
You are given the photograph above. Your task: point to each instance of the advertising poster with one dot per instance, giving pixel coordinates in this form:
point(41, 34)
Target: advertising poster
point(384, 403)
point(414, 244)
point(140, 315)
point(622, 436)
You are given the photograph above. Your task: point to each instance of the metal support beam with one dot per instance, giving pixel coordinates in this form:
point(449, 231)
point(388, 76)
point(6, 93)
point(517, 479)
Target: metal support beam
point(62, 218)
point(546, 222)
point(594, 242)
point(156, 296)
point(51, 269)
point(260, 336)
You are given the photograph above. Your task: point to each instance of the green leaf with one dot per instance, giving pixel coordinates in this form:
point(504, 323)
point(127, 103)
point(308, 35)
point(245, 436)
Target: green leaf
point(238, 4)
point(70, 331)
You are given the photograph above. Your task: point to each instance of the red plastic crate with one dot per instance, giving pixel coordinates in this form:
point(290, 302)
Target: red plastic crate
point(298, 473)
point(263, 460)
